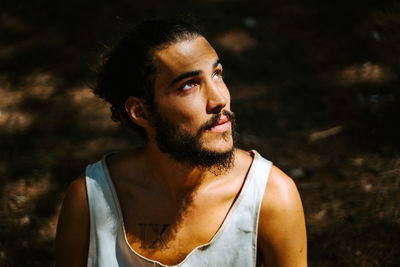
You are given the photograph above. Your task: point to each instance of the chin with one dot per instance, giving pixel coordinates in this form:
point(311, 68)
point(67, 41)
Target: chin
point(219, 146)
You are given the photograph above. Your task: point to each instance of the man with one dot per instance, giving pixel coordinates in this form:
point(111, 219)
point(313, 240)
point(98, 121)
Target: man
point(189, 197)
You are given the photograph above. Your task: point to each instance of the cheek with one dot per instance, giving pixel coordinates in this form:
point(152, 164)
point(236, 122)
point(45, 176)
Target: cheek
point(186, 111)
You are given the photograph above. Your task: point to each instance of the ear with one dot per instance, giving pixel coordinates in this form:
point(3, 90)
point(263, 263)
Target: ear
point(136, 110)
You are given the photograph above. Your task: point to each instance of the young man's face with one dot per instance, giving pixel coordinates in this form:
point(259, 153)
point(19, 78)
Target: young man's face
point(191, 113)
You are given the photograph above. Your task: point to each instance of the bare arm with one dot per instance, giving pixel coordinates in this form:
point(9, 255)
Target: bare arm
point(282, 233)
point(72, 240)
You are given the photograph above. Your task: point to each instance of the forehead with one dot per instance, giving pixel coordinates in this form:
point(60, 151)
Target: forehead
point(183, 56)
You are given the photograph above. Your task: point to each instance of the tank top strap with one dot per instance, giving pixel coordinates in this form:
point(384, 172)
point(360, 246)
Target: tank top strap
point(104, 216)
point(261, 173)
point(245, 219)
point(257, 187)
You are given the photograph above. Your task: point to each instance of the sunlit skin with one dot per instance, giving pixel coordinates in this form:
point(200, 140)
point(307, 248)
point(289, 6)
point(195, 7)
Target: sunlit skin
point(154, 189)
point(192, 101)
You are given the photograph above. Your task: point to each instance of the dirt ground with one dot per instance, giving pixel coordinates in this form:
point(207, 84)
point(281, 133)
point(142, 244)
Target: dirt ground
point(314, 84)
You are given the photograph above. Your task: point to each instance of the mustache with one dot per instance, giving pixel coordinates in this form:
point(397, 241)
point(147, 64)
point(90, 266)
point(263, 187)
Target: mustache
point(214, 120)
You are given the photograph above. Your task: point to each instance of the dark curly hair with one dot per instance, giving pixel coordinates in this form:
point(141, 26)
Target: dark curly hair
point(127, 67)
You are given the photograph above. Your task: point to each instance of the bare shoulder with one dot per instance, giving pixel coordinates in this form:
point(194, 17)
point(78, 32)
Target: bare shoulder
point(75, 200)
point(282, 232)
point(77, 189)
point(72, 238)
point(281, 191)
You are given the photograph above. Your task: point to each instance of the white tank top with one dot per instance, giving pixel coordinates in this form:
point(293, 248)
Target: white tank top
point(234, 244)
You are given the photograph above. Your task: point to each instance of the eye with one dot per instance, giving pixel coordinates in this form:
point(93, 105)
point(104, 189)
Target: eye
point(218, 74)
point(189, 85)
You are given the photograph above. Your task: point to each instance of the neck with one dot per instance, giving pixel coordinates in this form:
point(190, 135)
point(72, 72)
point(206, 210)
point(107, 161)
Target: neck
point(175, 178)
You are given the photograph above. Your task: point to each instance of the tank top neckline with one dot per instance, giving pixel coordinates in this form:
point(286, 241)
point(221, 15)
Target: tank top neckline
point(216, 236)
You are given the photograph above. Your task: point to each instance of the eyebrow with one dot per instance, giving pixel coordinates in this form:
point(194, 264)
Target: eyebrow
point(192, 73)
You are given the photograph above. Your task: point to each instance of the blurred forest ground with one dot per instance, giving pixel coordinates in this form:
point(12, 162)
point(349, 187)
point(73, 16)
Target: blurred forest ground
point(314, 84)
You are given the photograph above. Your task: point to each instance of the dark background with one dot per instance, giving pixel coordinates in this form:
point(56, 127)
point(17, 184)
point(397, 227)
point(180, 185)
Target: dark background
point(314, 84)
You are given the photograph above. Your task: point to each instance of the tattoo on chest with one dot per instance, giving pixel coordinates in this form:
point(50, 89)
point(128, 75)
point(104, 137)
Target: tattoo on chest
point(153, 236)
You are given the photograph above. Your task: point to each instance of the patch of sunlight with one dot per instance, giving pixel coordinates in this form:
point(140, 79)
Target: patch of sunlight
point(319, 135)
point(39, 86)
point(15, 120)
point(367, 72)
point(9, 98)
point(22, 193)
point(236, 41)
point(357, 161)
point(94, 112)
point(47, 231)
point(81, 95)
point(320, 215)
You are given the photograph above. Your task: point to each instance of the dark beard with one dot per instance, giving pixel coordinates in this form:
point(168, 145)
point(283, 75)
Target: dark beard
point(186, 148)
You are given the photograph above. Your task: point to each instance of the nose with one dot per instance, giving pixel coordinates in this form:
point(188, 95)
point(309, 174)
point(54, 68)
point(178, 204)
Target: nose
point(217, 98)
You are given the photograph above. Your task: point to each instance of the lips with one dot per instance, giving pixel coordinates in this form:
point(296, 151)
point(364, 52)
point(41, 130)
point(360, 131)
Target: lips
point(222, 120)
point(222, 125)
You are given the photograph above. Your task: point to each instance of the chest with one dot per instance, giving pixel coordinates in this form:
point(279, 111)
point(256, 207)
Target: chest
point(166, 233)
